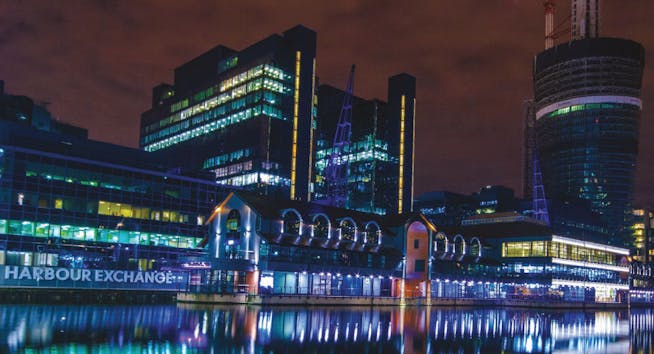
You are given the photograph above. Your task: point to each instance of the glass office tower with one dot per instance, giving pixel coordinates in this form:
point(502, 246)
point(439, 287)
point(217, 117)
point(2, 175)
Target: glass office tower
point(380, 155)
point(587, 111)
point(246, 115)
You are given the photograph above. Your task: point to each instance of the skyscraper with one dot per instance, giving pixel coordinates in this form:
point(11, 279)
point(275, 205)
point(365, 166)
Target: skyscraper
point(380, 156)
point(587, 112)
point(244, 115)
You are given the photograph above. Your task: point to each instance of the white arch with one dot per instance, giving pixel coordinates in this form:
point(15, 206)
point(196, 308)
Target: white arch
point(347, 218)
point(463, 241)
point(329, 223)
point(476, 240)
point(299, 216)
point(378, 231)
point(440, 236)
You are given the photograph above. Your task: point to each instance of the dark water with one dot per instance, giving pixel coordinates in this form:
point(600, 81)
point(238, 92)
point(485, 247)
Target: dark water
point(242, 329)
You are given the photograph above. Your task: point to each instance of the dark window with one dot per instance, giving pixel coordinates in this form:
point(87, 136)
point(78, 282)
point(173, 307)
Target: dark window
point(420, 265)
point(416, 243)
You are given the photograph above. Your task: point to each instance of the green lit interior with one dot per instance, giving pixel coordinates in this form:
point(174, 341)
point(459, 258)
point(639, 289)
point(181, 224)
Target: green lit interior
point(83, 233)
point(583, 107)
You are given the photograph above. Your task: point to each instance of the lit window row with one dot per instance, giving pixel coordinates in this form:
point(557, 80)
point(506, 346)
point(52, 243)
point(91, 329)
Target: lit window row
point(274, 80)
point(557, 250)
point(255, 178)
point(581, 107)
point(144, 213)
point(234, 118)
point(214, 102)
point(226, 158)
point(206, 128)
point(82, 233)
point(361, 156)
point(233, 169)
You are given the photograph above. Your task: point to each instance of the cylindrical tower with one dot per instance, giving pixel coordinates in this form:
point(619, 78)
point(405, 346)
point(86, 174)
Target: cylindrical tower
point(587, 103)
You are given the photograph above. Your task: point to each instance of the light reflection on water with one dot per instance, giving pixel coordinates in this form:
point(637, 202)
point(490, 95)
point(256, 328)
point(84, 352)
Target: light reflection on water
point(242, 329)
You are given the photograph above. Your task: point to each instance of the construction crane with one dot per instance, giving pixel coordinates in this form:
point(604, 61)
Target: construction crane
point(539, 202)
point(336, 171)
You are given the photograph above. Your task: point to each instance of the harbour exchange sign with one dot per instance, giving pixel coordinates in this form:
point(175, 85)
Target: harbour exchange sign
point(25, 276)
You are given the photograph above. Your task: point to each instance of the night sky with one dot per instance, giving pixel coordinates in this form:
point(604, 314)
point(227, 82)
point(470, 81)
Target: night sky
point(95, 63)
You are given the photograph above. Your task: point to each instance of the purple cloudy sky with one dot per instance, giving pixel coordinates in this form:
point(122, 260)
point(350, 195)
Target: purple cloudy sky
point(95, 62)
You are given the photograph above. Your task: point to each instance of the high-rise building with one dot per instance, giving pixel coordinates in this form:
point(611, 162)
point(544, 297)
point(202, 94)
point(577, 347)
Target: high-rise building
point(246, 115)
point(587, 111)
point(380, 156)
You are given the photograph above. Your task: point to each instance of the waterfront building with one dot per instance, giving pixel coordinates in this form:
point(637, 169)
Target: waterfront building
point(586, 116)
point(246, 116)
point(380, 156)
point(269, 246)
point(533, 262)
point(68, 202)
point(275, 246)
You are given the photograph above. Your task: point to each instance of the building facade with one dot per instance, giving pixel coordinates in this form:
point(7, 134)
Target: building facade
point(381, 147)
point(642, 237)
point(247, 116)
point(587, 111)
point(68, 203)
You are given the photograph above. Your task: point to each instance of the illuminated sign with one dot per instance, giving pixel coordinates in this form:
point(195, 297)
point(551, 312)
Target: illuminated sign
point(24, 276)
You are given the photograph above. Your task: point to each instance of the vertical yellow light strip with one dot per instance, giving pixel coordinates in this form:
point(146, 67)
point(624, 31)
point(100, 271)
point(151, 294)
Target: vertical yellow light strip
point(296, 102)
point(313, 104)
point(413, 149)
point(400, 182)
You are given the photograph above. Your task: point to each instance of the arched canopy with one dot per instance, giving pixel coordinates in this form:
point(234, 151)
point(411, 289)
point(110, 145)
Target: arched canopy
point(373, 233)
point(292, 222)
point(321, 225)
point(348, 229)
point(459, 245)
point(441, 244)
point(475, 247)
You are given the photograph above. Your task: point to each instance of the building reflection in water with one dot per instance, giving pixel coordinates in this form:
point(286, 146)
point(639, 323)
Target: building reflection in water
point(242, 329)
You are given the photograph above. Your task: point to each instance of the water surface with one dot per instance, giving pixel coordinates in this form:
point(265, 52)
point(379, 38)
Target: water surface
point(243, 329)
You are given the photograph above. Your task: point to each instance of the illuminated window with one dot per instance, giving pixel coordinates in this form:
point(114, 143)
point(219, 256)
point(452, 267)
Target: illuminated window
point(233, 220)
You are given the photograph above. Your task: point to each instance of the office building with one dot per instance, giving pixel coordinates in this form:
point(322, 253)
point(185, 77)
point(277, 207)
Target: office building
point(380, 156)
point(246, 115)
point(72, 203)
point(587, 110)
